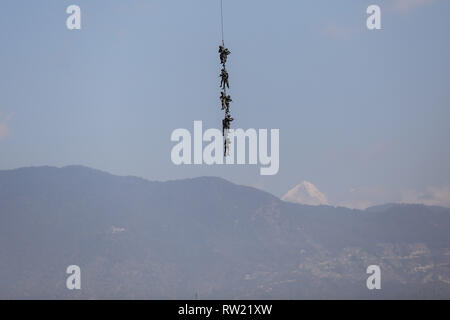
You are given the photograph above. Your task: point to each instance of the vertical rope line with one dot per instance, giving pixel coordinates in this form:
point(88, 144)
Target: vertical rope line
point(221, 19)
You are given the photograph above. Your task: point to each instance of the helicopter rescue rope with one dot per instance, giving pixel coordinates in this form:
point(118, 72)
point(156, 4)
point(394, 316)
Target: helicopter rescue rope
point(221, 19)
point(225, 99)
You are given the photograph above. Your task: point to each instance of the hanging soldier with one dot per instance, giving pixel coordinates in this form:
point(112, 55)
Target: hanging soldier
point(226, 146)
point(224, 53)
point(226, 126)
point(226, 123)
point(228, 100)
point(223, 99)
point(224, 82)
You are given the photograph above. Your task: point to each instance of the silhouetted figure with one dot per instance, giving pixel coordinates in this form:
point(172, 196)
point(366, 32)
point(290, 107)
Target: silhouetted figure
point(224, 82)
point(226, 123)
point(224, 53)
point(223, 99)
point(226, 100)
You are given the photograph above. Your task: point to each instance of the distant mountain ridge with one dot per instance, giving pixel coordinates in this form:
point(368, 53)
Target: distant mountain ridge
point(135, 238)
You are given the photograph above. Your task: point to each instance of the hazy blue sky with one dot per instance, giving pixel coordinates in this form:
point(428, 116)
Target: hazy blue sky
point(364, 115)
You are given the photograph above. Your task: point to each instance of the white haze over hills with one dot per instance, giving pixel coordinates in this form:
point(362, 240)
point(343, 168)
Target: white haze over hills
point(305, 193)
point(362, 198)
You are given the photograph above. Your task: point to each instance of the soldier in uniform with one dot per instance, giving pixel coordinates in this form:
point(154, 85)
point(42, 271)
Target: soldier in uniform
point(223, 99)
point(224, 52)
point(226, 145)
point(226, 123)
point(228, 100)
point(224, 82)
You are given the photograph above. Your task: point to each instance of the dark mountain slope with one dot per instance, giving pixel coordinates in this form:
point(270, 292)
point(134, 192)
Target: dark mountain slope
point(134, 238)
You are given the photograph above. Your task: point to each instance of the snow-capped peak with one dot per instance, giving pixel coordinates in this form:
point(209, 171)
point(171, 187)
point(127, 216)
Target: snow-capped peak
point(305, 193)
